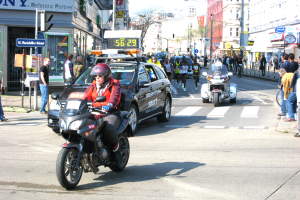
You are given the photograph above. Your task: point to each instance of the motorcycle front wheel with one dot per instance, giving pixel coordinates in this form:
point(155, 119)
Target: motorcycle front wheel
point(68, 174)
point(216, 99)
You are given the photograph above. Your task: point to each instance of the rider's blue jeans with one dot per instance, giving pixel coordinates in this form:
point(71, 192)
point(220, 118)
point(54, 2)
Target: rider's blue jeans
point(283, 103)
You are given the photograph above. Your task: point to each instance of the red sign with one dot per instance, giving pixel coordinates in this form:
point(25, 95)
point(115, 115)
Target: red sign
point(201, 20)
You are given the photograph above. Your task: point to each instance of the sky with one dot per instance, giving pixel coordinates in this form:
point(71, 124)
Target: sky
point(137, 6)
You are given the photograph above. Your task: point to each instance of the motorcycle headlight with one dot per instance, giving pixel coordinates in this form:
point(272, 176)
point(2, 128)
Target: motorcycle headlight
point(54, 105)
point(75, 125)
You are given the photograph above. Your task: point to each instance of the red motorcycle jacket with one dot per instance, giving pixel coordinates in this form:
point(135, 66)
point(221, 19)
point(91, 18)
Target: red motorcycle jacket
point(112, 92)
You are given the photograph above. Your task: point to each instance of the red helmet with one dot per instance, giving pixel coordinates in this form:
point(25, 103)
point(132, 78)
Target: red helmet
point(101, 69)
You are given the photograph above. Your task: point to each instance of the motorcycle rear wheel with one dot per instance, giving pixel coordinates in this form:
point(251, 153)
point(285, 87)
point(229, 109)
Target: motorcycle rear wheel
point(121, 157)
point(68, 174)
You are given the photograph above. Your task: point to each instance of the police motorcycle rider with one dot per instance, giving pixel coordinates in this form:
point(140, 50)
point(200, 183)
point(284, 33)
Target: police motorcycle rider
point(105, 85)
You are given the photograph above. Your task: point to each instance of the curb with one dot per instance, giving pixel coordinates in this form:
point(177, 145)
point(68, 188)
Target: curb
point(16, 109)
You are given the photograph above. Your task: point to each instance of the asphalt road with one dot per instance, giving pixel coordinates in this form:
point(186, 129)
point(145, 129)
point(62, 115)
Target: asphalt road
point(234, 154)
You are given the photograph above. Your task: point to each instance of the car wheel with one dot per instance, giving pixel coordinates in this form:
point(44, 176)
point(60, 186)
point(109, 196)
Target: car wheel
point(205, 100)
point(133, 119)
point(166, 115)
point(232, 100)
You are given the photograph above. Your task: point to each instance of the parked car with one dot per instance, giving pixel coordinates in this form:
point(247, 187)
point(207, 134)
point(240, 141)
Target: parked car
point(145, 89)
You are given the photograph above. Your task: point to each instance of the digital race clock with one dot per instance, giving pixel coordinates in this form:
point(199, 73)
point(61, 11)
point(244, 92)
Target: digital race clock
point(122, 43)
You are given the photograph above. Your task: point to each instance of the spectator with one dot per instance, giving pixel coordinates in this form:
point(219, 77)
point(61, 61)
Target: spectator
point(2, 117)
point(293, 64)
point(44, 81)
point(262, 65)
point(68, 69)
point(285, 63)
point(291, 103)
point(78, 66)
point(286, 80)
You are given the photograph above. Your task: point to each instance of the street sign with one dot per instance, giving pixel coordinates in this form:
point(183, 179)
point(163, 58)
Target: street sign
point(280, 29)
point(196, 51)
point(28, 42)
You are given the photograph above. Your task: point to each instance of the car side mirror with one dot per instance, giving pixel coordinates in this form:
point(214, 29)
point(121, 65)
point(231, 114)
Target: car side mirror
point(54, 96)
point(100, 99)
point(144, 84)
point(204, 74)
point(230, 74)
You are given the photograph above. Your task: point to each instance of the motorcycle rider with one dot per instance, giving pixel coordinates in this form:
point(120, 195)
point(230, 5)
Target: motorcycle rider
point(105, 85)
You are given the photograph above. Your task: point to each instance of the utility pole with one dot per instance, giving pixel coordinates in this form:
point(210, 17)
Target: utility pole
point(242, 36)
point(114, 15)
point(211, 37)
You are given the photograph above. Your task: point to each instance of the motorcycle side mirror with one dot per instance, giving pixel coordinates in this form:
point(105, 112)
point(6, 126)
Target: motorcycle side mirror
point(54, 96)
point(204, 73)
point(230, 74)
point(100, 99)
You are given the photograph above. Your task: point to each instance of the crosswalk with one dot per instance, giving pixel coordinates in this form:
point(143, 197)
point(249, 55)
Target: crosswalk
point(209, 117)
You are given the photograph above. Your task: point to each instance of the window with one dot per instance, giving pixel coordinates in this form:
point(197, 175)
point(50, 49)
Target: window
point(237, 32)
point(230, 32)
point(143, 76)
point(161, 74)
point(151, 73)
point(237, 14)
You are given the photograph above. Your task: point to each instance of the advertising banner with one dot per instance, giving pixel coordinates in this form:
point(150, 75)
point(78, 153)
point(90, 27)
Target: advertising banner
point(48, 5)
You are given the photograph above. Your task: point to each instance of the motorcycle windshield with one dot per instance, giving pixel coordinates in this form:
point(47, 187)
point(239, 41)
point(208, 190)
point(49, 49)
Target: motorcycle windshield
point(218, 70)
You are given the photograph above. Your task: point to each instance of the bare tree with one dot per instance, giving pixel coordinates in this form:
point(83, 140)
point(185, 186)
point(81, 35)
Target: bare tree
point(144, 20)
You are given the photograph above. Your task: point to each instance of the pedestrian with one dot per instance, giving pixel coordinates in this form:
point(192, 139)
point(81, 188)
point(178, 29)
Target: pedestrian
point(286, 81)
point(78, 66)
point(68, 69)
point(262, 65)
point(44, 82)
point(293, 65)
point(285, 63)
point(2, 117)
point(291, 103)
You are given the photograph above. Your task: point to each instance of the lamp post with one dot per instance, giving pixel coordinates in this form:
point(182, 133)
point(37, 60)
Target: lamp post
point(211, 37)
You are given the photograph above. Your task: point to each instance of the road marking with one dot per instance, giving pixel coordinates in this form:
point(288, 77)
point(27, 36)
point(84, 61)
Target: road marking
point(254, 127)
point(250, 112)
point(188, 111)
point(214, 127)
point(187, 98)
point(218, 112)
point(175, 126)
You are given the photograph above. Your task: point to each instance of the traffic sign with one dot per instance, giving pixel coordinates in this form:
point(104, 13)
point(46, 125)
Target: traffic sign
point(28, 42)
point(196, 51)
point(280, 29)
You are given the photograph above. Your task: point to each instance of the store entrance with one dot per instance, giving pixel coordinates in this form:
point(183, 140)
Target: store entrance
point(15, 73)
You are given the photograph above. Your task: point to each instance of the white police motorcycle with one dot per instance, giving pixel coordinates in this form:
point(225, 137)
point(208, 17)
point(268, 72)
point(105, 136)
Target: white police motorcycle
point(218, 87)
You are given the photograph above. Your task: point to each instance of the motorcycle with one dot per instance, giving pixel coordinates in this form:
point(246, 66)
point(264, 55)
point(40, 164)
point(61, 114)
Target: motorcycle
point(82, 127)
point(218, 87)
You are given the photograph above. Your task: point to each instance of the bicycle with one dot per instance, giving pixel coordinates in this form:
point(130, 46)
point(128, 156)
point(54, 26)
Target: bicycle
point(279, 97)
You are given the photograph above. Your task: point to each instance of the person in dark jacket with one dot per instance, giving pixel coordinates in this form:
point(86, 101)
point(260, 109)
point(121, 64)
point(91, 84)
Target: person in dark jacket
point(262, 65)
point(293, 65)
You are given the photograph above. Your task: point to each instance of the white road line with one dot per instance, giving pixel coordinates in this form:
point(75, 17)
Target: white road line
point(218, 112)
point(250, 112)
point(187, 98)
point(254, 127)
point(214, 127)
point(188, 111)
point(175, 126)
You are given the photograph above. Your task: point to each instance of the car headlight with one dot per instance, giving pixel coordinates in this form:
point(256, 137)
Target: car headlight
point(75, 125)
point(54, 105)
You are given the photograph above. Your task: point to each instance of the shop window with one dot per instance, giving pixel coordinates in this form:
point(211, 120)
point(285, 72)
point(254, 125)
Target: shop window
point(58, 50)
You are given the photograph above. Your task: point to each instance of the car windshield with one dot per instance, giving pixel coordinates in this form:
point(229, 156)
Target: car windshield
point(218, 70)
point(120, 71)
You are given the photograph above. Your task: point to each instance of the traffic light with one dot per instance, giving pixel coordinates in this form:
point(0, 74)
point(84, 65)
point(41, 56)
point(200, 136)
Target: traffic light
point(46, 21)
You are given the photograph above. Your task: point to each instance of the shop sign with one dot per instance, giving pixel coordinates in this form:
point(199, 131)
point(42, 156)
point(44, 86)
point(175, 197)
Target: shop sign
point(280, 29)
point(290, 39)
point(48, 5)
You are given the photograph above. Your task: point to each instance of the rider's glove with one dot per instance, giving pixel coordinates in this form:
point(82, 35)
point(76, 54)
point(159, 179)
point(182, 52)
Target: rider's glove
point(108, 107)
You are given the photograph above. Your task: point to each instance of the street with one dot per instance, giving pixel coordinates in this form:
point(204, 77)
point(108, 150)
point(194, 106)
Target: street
point(231, 152)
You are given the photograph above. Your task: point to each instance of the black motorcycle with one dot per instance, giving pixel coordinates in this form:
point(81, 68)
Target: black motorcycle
point(81, 126)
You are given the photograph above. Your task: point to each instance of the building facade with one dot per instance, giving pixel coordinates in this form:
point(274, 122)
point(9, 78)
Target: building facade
point(76, 30)
point(274, 27)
